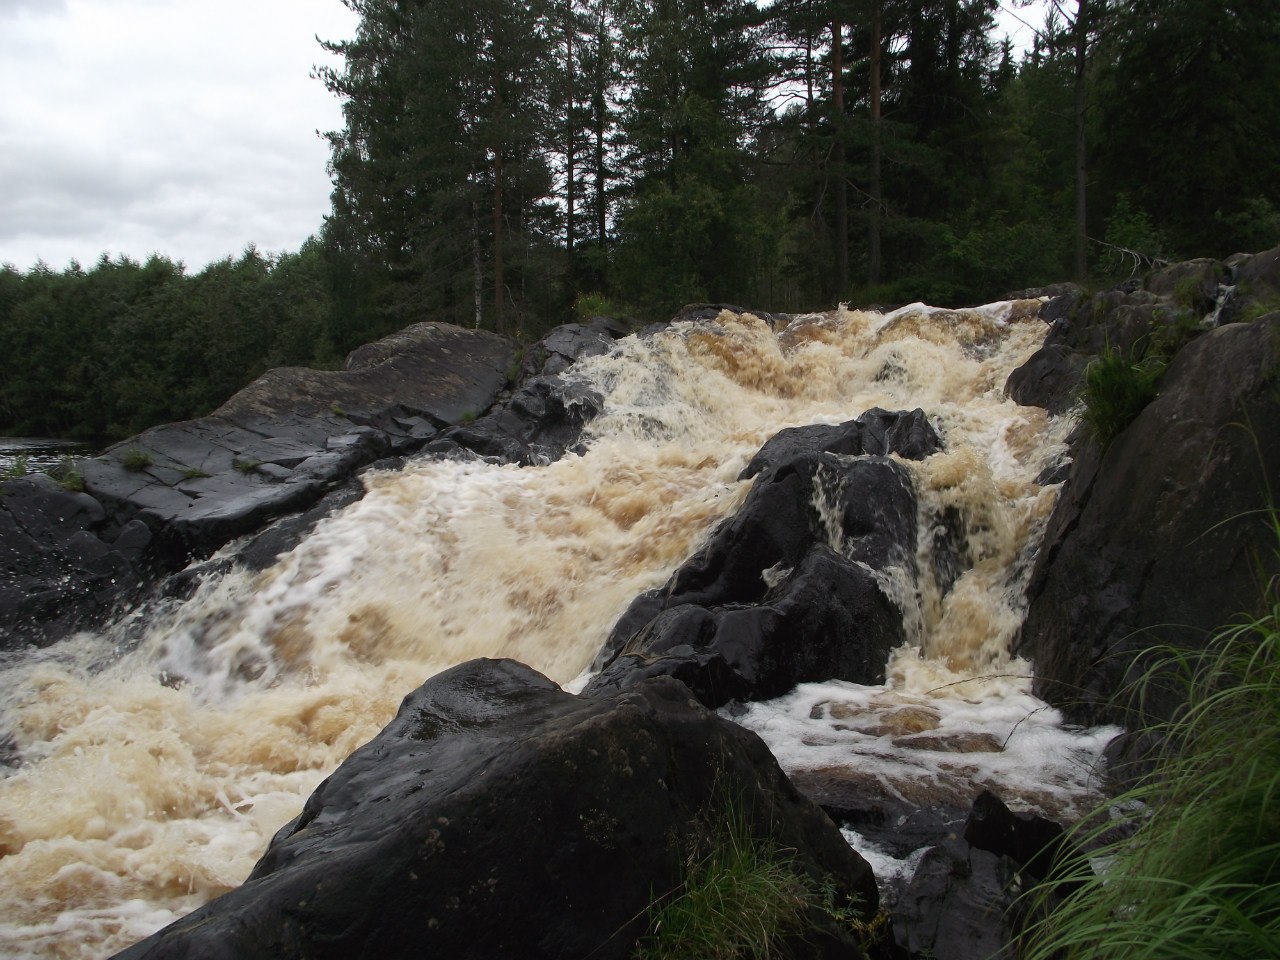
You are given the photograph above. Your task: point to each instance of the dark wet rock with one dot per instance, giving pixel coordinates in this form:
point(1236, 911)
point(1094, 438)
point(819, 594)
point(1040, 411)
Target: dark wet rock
point(1258, 277)
point(498, 816)
point(63, 562)
point(1192, 283)
point(1049, 379)
point(567, 344)
point(266, 547)
point(957, 905)
point(693, 312)
point(783, 592)
point(279, 444)
point(958, 896)
point(181, 491)
point(1161, 538)
point(1039, 846)
point(968, 857)
point(828, 619)
point(541, 421)
point(876, 433)
point(1159, 313)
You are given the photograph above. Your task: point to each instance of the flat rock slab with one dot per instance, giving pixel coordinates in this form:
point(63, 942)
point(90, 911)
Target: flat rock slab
point(277, 445)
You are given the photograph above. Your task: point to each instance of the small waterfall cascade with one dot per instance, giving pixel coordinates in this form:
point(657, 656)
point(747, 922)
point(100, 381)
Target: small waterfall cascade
point(151, 773)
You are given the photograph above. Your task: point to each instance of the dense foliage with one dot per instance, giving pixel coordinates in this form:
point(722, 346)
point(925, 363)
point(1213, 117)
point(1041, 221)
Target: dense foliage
point(502, 162)
point(106, 352)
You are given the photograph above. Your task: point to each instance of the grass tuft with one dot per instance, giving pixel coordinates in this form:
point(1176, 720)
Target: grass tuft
point(69, 476)
point(1196, 872)
point(740, 898)
point(1116, 388)
point(136, 459)
point(17, 469)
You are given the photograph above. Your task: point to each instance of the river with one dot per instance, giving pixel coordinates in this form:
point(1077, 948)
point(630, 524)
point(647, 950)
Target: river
point(151, 780)
point(32, 454)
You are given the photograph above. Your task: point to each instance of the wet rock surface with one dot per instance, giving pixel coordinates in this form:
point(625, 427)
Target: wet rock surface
point(499, 816)
point(279, 444)
point(290, 446)
point(784, 591)
point(965, 862)
point(63, 561)
point(1159, 312)
point(1161, 538)
point(540, 422)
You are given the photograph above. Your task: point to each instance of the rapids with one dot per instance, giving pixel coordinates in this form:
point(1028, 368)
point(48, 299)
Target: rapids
point(150, 774)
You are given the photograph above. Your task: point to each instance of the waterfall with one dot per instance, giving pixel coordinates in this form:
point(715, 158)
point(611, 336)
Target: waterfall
point(152, 773)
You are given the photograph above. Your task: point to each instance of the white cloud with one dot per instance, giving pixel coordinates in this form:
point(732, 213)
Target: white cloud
point(171, 126)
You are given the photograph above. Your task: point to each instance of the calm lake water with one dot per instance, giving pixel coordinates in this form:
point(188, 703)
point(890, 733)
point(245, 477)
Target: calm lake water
point(41, 453)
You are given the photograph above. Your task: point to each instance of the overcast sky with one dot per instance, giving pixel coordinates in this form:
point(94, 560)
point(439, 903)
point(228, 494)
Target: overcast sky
point(180, 127)
point(183, 127)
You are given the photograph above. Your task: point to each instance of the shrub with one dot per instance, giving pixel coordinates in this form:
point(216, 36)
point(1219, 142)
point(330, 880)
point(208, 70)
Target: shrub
point(1200, 877)
point(594, 304)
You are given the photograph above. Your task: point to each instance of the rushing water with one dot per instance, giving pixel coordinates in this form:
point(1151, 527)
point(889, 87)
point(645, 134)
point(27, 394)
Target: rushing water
point(152, 777)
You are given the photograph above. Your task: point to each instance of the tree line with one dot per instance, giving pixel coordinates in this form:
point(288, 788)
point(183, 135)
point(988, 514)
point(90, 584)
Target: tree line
point(505, 164)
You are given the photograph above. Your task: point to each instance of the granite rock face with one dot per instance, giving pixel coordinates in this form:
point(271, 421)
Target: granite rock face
point(1162, 537)
point(498, 816)
point(277, 445)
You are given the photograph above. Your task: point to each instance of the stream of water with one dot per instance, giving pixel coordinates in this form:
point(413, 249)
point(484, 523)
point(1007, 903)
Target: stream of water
point(153, 774)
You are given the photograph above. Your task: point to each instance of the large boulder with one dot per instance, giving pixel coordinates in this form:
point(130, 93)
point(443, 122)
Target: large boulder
point(567, 344)
point(498, 816)
point(1164, 536)
point(791, 587)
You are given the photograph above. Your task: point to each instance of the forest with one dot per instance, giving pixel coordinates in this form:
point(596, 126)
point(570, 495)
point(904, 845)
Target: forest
point(514, 166)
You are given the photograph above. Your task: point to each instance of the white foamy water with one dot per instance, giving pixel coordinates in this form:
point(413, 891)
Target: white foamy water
point(153, 780)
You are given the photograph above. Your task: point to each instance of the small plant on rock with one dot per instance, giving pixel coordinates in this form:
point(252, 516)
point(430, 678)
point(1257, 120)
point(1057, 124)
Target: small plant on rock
point(1116, 388)
point(68, 476)
point(136, 459)
point(247, 466)
point(16, 470)
point(740, 898)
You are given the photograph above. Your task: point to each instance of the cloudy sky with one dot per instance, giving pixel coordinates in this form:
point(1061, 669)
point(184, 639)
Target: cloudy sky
point(184, 127)
point(181, 127)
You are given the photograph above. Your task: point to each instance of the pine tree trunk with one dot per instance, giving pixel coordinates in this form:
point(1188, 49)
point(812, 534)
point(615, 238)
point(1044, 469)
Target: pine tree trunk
point(497, 214)
point(1081, 107)
point(873, 241)
point(570, 137)
point(497, 243)
point(841, 184)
